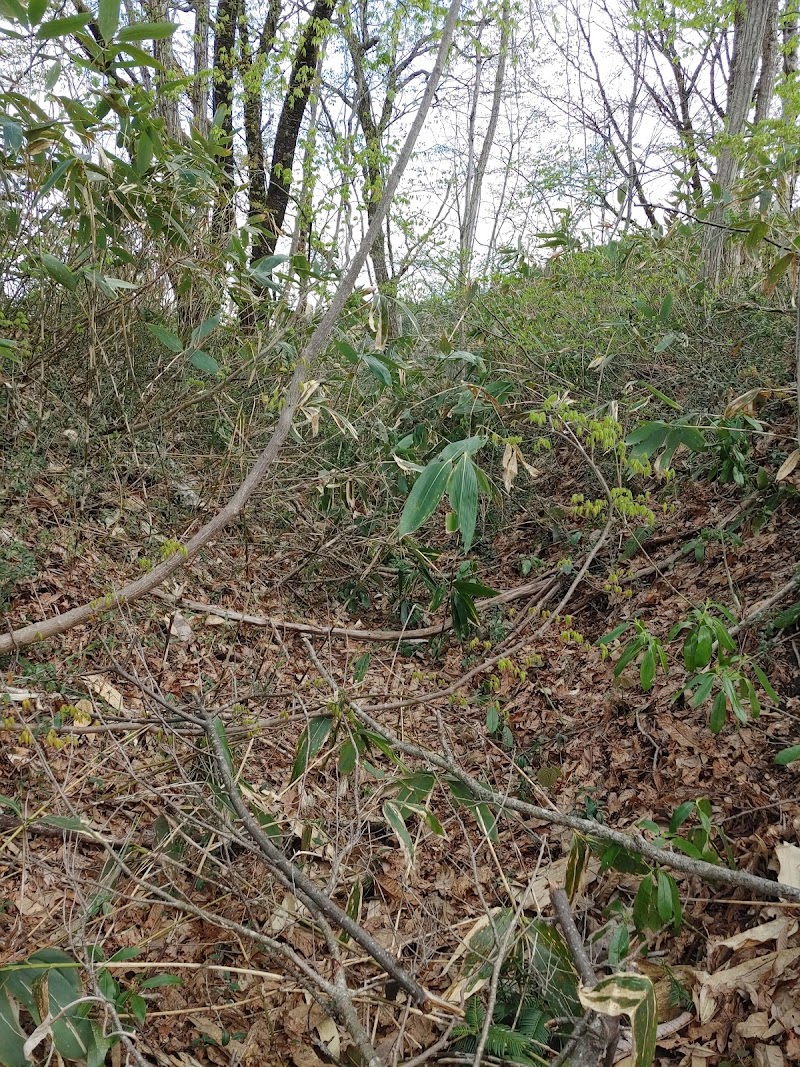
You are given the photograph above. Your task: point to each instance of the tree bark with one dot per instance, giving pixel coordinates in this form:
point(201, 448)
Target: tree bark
point(472, 196)
point(224, 67)
point(301, 81)
point(750, 27)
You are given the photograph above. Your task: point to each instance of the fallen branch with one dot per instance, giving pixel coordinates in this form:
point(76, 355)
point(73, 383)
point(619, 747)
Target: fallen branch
point(59, 624)
point(708, 872)
point(421, 634)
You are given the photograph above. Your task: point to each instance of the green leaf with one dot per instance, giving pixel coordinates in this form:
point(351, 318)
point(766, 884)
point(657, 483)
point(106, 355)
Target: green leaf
point(469, 446)
point(377, 367)
point(664, 897)
point(137, 1006)
point(788, 755)
point(719, 712)
point(646, 439)
point(424, 497)
point(704, 689)
point(261, 270)
point(680, 815)
point(393, 816)
point(144, 154)
point(614, 634)
point(36, 10)
point(60, 272)
point(165, 336)
point(108, 18)
point(63, 27)
point(147, 31)
point(630, 652)
point(647, 671)
point(703, 648)
point(352, 356)
point(12, 1038)
point(206, 327)
point(347, 757)
point(765, 684)
point(204, 362)
point(311, 741)
point(462, 489)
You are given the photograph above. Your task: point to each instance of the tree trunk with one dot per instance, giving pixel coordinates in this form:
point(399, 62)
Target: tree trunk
point(472, 197)
point(301, 81)
point(749, 30)
point(198, 93)
point(223, 97)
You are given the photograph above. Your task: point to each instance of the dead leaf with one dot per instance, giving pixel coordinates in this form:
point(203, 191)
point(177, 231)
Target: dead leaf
point(788, 864)
point(180, 629)
point(788, 465)
point(101, 687)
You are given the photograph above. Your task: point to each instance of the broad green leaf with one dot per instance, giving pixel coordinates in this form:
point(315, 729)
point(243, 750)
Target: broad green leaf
point(719, 711)
point(666, 342)
point(108, 18)
point(144, 154)
point(646, 439)
point(60, 272)
point(424, 497)
point(205, 328)
point(347, 757)
point(352, 356)
point(13, 135)
point(664, 897)
point(147, 31)
point(680, 815)
point(377, 367)
point(632, 995)
point(788, 755)
point(262, 269)
point(12, 1038)
point(36, 10)
point(456, 449)
point(462, 489)
point(311, 741)
point(14, 12)
point(63, 27)
point(647, 671)
point(204, 362)
point(165, 336)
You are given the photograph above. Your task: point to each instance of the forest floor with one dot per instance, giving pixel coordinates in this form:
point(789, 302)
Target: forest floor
point(84, 741)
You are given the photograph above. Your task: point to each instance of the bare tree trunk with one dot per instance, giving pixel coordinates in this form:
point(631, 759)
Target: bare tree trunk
point(750, 27)
point(473, 190)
